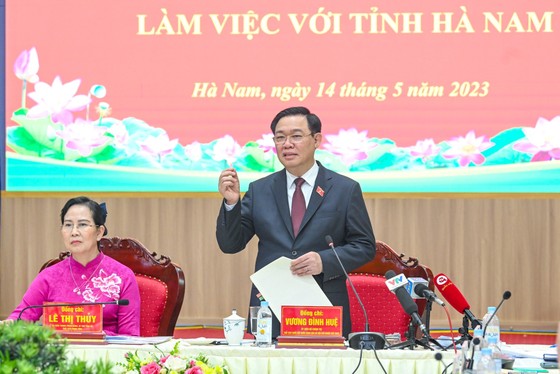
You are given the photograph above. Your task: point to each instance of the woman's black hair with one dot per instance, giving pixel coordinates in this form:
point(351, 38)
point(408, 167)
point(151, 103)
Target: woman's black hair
point(98, 211)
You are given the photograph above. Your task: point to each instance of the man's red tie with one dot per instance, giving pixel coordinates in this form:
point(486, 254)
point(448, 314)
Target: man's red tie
point(298, 206)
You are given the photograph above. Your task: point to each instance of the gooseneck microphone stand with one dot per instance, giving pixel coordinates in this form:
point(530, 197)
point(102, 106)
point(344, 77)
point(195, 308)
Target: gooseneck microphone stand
point(411, 342)
point(464, 331)
point(426, 339)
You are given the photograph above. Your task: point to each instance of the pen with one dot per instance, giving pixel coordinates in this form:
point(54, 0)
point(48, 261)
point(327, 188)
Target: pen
point(527, 370)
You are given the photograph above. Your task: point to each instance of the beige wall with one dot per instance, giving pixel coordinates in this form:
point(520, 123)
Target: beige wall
point(485, 244)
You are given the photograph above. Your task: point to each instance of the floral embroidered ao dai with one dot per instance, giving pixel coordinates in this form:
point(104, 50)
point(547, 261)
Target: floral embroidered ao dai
point(102, 280)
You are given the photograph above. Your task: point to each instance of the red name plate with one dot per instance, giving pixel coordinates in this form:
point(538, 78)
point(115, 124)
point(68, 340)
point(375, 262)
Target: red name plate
point(74, 318)
point(311, 320)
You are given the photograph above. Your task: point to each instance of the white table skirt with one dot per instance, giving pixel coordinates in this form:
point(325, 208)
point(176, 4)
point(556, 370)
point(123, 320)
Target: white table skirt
point(248, 359)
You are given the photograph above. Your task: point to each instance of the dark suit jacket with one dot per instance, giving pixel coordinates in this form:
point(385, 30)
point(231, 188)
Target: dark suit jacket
point(336, 208)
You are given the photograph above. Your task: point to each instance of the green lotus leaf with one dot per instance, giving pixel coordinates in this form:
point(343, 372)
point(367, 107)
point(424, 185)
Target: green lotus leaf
point(110, 155)
point(39, 130)
point(21, 142)
point(507, 155)
point(21, 112)
point(257, 160)
point(73, 155)
point(331, 161)
point(504, 139)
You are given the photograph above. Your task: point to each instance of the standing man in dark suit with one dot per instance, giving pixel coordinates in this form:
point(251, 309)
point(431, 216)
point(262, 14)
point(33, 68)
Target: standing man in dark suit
point(333, 206)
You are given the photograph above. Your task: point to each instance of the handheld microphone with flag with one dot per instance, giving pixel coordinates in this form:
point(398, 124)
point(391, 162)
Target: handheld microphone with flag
point(365, 339)
point(455, 298)
point(121, 302)
point(396, 284)
point(418, 289)
point(505, 297)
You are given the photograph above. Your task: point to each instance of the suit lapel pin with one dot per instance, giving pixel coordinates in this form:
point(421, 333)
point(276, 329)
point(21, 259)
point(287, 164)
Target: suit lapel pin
point(320, 191)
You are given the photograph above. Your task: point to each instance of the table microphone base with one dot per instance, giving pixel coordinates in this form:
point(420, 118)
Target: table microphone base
point(366, 340)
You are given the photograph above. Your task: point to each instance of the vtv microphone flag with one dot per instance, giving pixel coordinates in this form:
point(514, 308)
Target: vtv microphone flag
point(395, 281)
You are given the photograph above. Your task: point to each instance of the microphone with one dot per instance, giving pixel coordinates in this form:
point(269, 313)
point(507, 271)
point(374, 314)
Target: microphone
point(418, 289)
point(505, 297)
point(455, 297)
point(116, 302)
point(412, 282)
point(395, 283)
point(359, 340)
point(422, 289)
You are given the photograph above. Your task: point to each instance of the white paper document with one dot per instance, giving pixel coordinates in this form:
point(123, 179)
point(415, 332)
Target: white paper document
point(280, 287)
point(126, 339)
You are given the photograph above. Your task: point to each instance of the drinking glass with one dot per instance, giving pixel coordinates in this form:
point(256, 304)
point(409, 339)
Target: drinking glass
point(253, 312)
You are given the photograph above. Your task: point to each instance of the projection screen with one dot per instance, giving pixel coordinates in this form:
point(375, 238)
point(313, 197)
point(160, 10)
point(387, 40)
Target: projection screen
point(154, 95)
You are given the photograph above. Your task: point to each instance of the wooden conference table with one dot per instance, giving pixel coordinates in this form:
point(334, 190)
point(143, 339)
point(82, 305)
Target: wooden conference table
point(248, 359)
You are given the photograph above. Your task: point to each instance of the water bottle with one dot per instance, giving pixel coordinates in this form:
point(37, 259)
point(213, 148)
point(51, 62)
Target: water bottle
point(486, 364)
point(496, 352)
point(477, 348)
point(492, 327)
point(461, 359)
point(264, 326)
point(458, 362)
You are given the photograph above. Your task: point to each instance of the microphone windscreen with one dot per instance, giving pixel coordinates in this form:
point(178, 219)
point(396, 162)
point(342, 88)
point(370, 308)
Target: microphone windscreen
point(451, 293)
point(123, 302)
point(420, 288)
point(329, 240)
point(507, 295)
point(406, 301)
point(390, 274)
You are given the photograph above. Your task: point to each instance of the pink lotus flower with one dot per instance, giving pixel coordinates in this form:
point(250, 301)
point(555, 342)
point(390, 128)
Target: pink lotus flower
point(26, 66)
point(350, 145)
point(58, 101)
point(119, 133)
point(83, 136)
point(159, 146)
point(424, 149)
point(193, 151)
point(266, 143)
point(542, 141)
point(151, 368)
point(468, 149)
point(227, 149)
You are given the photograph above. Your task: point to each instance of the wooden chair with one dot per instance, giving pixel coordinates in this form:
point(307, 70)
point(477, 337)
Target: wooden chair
point(385, 314)
point(161, 283)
